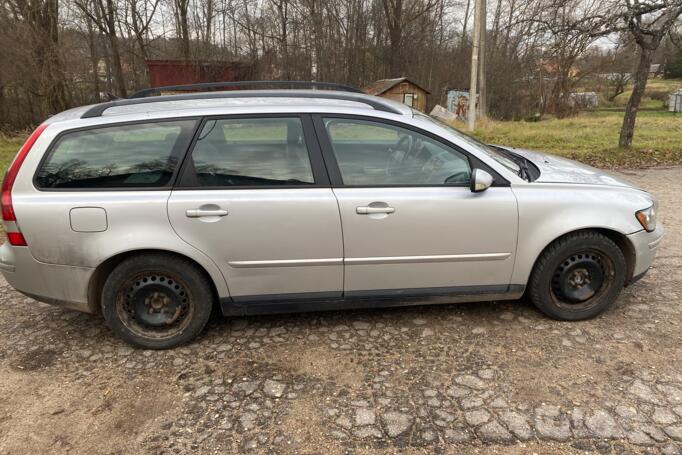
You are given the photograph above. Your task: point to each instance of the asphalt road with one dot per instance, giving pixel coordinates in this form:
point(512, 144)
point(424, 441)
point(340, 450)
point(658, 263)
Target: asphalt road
point(483, 377)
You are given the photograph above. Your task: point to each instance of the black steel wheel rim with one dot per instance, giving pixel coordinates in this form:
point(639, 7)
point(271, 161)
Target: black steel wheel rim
point(581, 276)
point(155, 304)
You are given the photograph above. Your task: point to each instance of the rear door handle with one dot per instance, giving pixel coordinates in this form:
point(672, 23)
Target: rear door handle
point(370, 210)
point(197, 213)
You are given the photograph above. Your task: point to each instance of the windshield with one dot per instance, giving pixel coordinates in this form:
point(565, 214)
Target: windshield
point(490, 151)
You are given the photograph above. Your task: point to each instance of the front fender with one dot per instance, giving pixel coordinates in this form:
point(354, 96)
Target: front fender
point(549, 211)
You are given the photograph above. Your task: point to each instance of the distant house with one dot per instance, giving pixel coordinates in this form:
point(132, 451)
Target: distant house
point(178, 72)
point(655, 70)
point(400, 89)
point(616, 76)
point(552, 66)
point(583, 100)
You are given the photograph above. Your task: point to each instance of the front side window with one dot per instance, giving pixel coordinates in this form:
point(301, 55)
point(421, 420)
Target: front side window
point(374, 154)
point(250, 152)
point(124, 156)
point(493, 153)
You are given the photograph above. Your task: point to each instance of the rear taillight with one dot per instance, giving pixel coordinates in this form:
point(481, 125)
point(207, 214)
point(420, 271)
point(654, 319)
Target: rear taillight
point(13, 235)
point(16, 239)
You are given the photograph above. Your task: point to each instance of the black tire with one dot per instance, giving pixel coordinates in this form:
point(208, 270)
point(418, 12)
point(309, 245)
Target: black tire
point(157, 301)
point(577, 276)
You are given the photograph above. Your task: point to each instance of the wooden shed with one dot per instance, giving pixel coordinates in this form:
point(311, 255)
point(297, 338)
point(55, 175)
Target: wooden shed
point(400, 89)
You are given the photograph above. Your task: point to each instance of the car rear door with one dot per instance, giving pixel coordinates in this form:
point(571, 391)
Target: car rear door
point(405, 230)
point(254, 195)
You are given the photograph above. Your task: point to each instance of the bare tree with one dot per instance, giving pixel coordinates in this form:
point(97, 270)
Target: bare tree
point(41, 19)
point(536, 54)
point(181, 14)
point(103, 14)
point(142, 13)
point(94, 57)
point(399, 14)
point(648, 22)
point(282, 9)
point(618, 65)
point(566, 43)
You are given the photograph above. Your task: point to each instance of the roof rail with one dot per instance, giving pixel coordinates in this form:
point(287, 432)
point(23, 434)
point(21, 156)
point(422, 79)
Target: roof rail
point(98, 109)
point(207, 86)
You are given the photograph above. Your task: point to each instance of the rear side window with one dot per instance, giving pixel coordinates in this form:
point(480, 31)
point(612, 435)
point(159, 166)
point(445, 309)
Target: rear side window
point(126, 156)
point(250, 152)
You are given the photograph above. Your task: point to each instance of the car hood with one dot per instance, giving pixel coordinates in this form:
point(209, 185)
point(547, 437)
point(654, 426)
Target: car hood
point(554, 169)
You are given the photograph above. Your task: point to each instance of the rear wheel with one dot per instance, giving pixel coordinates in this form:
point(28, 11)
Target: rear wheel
point(157, 301)
point(578, 276)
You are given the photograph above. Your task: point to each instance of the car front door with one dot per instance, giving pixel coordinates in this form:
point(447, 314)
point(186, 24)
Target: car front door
point(254, 196)
point(411, 225)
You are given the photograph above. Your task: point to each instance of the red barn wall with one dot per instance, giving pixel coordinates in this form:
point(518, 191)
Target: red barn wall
point(179, 72)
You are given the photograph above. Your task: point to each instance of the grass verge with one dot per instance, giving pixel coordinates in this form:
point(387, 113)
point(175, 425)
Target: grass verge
point(592, 138)
point(9, 145)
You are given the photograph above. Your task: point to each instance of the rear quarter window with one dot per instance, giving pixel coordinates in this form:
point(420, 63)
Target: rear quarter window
point(141, 155)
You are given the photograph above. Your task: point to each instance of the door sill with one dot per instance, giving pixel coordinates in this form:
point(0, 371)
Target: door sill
point(333, 301)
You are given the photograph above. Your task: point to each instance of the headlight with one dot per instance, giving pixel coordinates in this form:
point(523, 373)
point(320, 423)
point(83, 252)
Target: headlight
point(647, 218)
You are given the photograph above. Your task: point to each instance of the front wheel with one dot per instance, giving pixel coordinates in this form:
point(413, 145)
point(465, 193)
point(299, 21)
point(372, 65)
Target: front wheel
point(157, 301)
point(578, 276)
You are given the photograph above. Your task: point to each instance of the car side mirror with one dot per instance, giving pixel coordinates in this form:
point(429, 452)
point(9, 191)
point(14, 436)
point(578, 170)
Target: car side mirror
point(480, 181)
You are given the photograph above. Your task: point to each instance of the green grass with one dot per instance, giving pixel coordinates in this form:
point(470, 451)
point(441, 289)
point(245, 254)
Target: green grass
point(8, 148)
point(652, 86)
point(592, 137)
point(664, 84)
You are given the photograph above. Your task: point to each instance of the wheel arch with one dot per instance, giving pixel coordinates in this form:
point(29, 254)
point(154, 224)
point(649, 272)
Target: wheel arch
point(626, 246)
point(102, 271)
point(620, 239)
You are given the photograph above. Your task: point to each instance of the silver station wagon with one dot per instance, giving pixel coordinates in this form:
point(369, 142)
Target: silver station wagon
point(154, 209)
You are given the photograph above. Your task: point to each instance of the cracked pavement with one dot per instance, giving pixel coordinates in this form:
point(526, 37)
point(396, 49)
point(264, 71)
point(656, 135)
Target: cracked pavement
point(460, 378)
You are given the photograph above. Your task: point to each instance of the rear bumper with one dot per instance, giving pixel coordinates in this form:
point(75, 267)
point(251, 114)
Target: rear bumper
point(646, 246)
point(62, 285)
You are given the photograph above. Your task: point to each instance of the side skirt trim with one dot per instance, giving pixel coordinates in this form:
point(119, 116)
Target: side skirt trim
point(331, 301)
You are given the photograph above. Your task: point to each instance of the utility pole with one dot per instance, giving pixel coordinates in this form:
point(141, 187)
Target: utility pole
point(482, 97)
point(473, 89)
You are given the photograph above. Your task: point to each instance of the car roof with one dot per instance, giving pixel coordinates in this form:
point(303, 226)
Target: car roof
point(175, 105)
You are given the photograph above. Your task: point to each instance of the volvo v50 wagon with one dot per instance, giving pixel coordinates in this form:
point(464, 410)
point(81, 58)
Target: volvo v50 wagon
point(153, 210)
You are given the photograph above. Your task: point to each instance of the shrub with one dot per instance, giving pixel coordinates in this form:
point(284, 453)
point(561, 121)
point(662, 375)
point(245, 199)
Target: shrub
point(658, 95)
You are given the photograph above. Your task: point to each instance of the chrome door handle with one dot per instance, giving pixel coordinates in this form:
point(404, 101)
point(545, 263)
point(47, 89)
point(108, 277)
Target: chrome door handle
point(370, 210)
point(196, 213)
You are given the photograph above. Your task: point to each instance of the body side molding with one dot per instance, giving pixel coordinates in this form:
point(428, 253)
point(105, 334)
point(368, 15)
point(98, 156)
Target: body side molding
point(371, 260)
